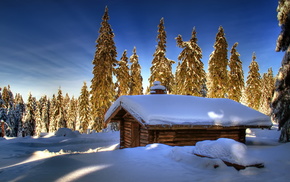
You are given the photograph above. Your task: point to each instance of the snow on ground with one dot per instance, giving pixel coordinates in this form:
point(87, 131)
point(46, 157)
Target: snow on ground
point(96, 157)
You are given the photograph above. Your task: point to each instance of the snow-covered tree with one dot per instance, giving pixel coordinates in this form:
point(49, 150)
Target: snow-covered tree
point(59, 111)
point(84, 109)
point(253, 85)
point(136, 87)
point(52, 117)
point(44, 103)
point(73, 114)
point(7, 97)
point(190, 74)
point(123, 76)
point(20, 111)
point(38, 121)
point(281, 99)
point(217, 67)
point(267, 90)
point(30, 118)
point(235, 76)
point(161, 69)
point(102, 87)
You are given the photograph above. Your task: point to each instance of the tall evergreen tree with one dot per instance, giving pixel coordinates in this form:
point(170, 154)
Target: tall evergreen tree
point(73, 114)
point(161, 69)
point(38, 119)
point(20, 111)
point(217, 67)
point(123, 76)
point(190, 75)
point(253, 85)
point(30, 118)
point(102, 87)
point(44, 115)
point(136, 87)
point(84, 109)
point(52, 116)
point(59, 111)
point(267, 90)
point(281, 99)
point(236, 75)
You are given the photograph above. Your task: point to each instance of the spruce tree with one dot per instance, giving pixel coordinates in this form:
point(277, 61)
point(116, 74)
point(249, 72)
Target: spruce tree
point(161, 69)
point(123, 76)
point(102, 86)
point(136, 87)
point(30, 118)
point(84, 109)
point(217, 67)
point(59, 111)
point(44, 115)
point(20, 111)
point(190, 75)
point(253, 85)
point(73, 114)
point(52, 116)
point(281, 99)
point(235, 76)
point(267, 90)
point(38, 120)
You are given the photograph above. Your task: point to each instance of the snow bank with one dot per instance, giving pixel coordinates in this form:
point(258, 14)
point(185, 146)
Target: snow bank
point(227, 150)
point(180, 109)
point(66, 132)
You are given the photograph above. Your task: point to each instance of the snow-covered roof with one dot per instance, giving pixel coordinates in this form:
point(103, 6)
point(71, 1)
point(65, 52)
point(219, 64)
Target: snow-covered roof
point(162, 109)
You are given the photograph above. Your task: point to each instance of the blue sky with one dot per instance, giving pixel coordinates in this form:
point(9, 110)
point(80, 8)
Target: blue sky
point(47, 44)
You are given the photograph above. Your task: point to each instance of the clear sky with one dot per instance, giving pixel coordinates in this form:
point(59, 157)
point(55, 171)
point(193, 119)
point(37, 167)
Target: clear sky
point(47, 44)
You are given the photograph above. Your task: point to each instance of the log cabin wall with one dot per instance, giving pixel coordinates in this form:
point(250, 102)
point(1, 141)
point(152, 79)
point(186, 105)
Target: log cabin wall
point(132, 134)
point(192, 136)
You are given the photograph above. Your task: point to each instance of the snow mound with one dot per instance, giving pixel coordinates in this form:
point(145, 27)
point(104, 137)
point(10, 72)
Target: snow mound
point(227, 150)
point(66, 132)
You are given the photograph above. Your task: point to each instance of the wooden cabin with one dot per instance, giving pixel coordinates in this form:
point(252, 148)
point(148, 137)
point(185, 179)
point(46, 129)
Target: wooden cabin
point(179, 120)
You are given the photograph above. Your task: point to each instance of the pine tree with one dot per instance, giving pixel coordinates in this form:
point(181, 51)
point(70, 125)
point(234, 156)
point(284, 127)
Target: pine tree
point(52, 116)
point(59, 111)
point(267, 90)
point(30, 118)
point(136, 87)
point(84, 109)
point(235, 76)
point(190, 75)
point(7, 97)
point(253, 85)
point(281, 99)
point(73, 114)
point(66, 101)
point(161, 69)
point(102, 87)
point(123, 77)
point(20, 111)
point(217, 67)
point(44, 114)
point(38, 120)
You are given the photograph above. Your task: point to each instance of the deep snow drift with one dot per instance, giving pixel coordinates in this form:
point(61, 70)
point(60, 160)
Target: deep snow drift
point(96, 157)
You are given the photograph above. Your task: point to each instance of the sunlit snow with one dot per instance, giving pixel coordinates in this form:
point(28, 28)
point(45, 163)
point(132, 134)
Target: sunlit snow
point(96, 157)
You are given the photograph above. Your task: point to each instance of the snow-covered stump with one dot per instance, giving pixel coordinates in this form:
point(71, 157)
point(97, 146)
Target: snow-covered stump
point(231, 152)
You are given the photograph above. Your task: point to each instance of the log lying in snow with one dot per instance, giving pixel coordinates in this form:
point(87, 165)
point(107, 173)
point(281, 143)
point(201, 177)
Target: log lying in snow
point(236, 166)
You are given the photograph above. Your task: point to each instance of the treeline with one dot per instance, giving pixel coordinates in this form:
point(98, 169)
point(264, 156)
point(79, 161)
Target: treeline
point(224, 79)
point(43, 115)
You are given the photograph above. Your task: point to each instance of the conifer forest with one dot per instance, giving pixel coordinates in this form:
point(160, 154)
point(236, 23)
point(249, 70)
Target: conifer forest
point(113, 78)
